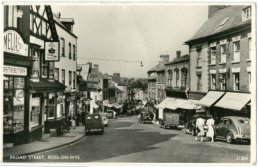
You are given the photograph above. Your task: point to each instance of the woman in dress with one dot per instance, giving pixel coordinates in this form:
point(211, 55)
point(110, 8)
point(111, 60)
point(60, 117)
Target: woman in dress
point(210, 124)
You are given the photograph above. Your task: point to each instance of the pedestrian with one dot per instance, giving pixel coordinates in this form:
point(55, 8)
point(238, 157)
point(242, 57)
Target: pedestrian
point(210, 123)
point(73, 122)
point(83, 118)
point(139, 118)
point(200, 127)
point(77, 119)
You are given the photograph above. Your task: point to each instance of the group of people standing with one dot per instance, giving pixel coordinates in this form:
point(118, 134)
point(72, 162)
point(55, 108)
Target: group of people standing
point(201, 126)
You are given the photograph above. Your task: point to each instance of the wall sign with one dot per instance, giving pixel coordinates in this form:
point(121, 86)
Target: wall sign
point(52, 51)
point(13, 70)
point(13, 43)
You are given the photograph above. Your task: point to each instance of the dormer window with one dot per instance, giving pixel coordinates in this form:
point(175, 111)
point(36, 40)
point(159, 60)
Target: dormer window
point(246, 13)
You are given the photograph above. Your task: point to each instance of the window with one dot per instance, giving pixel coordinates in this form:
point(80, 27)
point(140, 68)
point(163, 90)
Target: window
point(74, 55)
point(13, 117)
point(222, 79)
point(62, 47)
point(223, 55)
point(184, 77)
point(177, 77)
point(236, 51)
point(35, 110)
point(51, 68)
point(74, 77)
point(70, 50)
point(170, 78)
point(199, 82)
point(213, 55)
point(12, 15)
point(246, 13)
point(36, 63)
point(63, 77)
point(213, 81)
point(199, 58)
point(44, 65)
point(236, 81)
point(57, 74)
point(249, 47)
point(70, 78)
point(249, 81)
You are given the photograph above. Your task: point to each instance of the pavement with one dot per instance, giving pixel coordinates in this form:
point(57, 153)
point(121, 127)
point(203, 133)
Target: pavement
point(45, 144)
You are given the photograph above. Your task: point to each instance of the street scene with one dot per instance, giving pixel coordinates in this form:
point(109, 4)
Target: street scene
point(129, 83)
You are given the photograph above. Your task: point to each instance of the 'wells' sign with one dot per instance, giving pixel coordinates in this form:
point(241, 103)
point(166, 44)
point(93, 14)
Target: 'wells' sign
point(13, 43)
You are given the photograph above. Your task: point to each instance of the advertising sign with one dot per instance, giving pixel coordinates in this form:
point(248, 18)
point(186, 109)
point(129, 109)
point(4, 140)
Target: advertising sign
point(52, 51)
point(13, 43)
point(13, 70)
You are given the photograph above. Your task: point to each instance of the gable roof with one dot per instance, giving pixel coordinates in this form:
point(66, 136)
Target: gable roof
point(224, 20)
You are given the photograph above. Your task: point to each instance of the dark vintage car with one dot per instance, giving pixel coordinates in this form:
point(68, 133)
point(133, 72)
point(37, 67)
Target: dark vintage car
point(93, 124)
point(145, 117)
point(233, 128)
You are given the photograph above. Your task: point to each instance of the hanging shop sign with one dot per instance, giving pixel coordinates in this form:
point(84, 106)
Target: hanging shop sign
point(13, 70)
point(13, 43)
point(52, 51)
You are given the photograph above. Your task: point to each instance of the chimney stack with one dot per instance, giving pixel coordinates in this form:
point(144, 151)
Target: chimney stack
point(178, 54)
point(215, 8)
point(164, 58)
point(96, 66)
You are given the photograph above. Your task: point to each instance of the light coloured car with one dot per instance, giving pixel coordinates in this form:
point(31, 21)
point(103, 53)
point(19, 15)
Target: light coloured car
point(104, 118)
point(233, 128)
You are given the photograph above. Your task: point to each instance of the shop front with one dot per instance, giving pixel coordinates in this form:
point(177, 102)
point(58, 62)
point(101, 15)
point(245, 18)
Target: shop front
point(47, 109)
point(15, 88)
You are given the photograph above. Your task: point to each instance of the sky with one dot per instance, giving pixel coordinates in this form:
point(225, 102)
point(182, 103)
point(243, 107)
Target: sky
point(119, 36)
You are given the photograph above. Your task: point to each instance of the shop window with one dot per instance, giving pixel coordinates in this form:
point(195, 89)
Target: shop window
point(213, 55)
point(236, 51)
point(222, 79)
point(51, 107)
point(13, 105)
point(63, 76)
point(60, 105)
point(35, 110)
point(213, 81)
point(57, 74)
point(199, 82)
point(223, 55)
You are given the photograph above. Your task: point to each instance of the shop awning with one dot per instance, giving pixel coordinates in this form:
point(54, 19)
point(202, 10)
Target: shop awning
point(186, 104)
point(210, 98)
point(167, 103)
point(234, 101)
point(46, 86)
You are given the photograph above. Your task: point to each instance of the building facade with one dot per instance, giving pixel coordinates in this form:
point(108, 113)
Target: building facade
point(223, 47)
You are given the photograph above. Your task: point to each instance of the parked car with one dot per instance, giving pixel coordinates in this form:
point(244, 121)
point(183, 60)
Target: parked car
point(93, 124)
point(233, 128)
point(104, 118)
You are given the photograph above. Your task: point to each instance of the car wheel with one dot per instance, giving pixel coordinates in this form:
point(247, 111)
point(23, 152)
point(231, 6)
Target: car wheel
point(229, 138)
